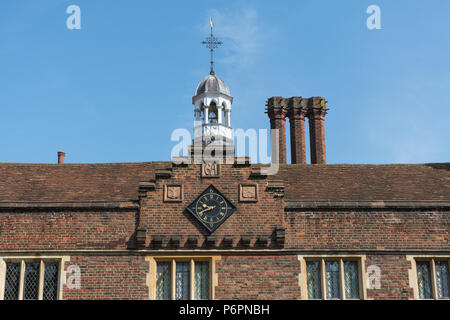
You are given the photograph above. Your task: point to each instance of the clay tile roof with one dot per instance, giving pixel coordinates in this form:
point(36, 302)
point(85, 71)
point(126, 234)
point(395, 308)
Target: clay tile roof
point(72, 182)
point(366, 182)
point(120, 182)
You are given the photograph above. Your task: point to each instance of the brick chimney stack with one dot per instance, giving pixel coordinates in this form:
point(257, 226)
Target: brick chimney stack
point(297, 111)
point(297, 108)
point(61, 157)
point(317, 112)
point(277, 111)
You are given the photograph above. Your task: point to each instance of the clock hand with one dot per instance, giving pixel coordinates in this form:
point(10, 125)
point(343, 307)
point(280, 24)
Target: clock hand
point(207, 209)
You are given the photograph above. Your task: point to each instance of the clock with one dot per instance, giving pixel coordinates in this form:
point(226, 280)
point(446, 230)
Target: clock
point(211, 208)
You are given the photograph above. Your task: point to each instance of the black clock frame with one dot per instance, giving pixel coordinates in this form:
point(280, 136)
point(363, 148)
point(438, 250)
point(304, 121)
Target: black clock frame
point(230, 211)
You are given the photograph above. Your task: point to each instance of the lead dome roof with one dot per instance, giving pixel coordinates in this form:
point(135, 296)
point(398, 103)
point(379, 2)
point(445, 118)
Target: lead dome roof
point(212, 83)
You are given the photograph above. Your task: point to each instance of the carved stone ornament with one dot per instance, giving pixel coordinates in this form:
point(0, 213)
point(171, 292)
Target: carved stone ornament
point(248, 192)
point(173, 193)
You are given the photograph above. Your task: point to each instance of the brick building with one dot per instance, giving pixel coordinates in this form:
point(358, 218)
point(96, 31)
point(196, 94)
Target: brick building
point(178, 230)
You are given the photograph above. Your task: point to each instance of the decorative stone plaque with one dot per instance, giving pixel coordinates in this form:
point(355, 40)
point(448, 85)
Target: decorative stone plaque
point(248, 192)
point(210, 170)
point(173, 192)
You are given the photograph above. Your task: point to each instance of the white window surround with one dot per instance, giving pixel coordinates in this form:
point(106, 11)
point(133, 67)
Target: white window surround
point(61, 260)
point(362, 274)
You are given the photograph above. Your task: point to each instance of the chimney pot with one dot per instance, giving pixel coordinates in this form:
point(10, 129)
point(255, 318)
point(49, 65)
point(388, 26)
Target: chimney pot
point(61, 156)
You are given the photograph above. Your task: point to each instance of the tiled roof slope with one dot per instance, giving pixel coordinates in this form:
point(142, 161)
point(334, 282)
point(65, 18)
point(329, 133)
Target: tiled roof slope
point(120, 181)
point(73, 182)
point(366, 182)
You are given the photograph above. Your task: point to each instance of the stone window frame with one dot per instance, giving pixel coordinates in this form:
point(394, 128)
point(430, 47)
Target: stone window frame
point(151, 275)
point(412, 273)
point(362, 275)
point(61, 260)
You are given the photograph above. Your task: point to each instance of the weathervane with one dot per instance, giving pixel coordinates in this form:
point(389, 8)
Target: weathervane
point(212, 43)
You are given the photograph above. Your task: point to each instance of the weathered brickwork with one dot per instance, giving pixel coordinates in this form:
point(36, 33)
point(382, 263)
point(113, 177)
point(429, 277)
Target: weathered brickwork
point(365, 230)
point(258, 277)
point(109, 277)
point(67, 229)
point(95, 214)
point(251, 219)
point(394, 281)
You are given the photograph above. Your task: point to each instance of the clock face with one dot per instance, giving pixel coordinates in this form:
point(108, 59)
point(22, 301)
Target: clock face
point(211, 208)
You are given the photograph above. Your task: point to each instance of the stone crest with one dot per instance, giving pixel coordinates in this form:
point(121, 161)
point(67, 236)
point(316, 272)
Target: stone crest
point(248, 192)
point(173, 192)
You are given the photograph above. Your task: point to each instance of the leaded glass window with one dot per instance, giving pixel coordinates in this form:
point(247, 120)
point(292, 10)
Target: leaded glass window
point(201, 286)
point(12, 281)
point(31, 282)
point(163, 281)
point(442, 279)
point(182, 281)
point(424, 280)
point(351, 280)
point(313, 280)
point(332, 279)
point(50, 281)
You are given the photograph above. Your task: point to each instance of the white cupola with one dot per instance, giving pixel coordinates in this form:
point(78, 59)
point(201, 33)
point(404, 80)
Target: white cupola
point(212, 111)
point(212, 105)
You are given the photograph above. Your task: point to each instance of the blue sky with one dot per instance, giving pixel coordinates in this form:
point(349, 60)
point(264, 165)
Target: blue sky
point(116, 89)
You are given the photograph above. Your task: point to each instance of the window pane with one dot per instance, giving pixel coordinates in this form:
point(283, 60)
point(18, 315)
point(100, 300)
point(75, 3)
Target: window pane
point(313, 280)
point(163, 280)
point(201, 288)
point(332, 276)
point(31, 285)
point(351, 280)
point(182, 281)
point(424, 280)
point(50, 281)
point(12, 281)
point(442, 279)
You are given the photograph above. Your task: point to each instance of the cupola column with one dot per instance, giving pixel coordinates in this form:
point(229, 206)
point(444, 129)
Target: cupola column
point(197, 115)
point(219, 114)
point(205, 108)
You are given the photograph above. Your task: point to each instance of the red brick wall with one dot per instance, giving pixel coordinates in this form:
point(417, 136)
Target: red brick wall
point(109, 277)
point(258, 277)
point(239, 277)
point(169, 218)
point(66, 230)
point(242, 275)
point(368, 230)
point(394, 277)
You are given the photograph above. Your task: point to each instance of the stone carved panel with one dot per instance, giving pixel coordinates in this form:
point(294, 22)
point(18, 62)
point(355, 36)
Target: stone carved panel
point(210, 170)
point(248, 192)
point(173, 192)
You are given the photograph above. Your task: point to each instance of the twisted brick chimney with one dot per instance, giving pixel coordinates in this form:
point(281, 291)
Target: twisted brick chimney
point(316, 116)
point(296, 109)
point(277, 111)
